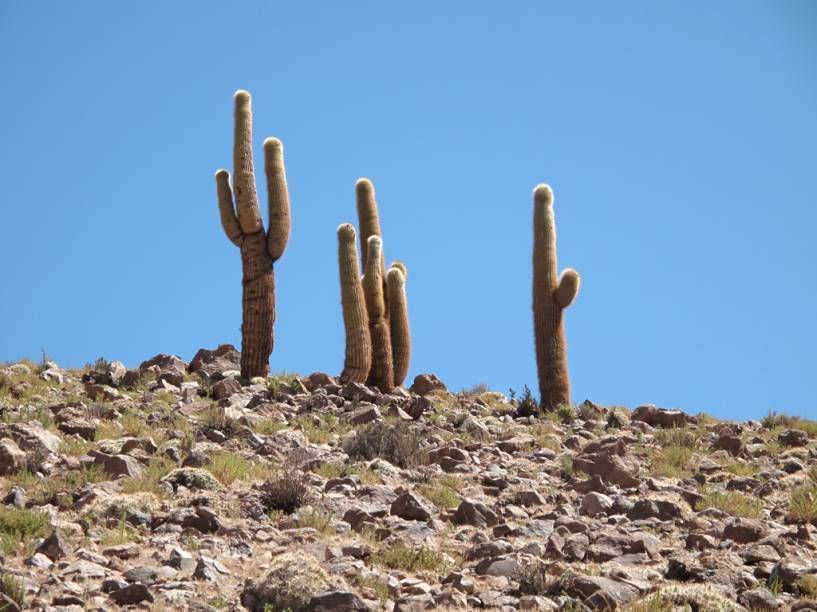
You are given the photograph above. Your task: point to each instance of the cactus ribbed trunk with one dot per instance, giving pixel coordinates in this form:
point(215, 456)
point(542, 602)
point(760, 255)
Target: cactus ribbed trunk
point(551, 296)
point(241, 220)
point(258, 306)
point(381, 374)
point(358, 359)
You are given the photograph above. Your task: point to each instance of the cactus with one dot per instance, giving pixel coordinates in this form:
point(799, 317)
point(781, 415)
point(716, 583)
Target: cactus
point(358, 359)
point(551, 295)
point(381, 373)
point(259, 249)
point(398, 321)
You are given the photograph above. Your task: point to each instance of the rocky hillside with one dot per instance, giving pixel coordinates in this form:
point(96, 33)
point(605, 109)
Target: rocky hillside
point(177, 487)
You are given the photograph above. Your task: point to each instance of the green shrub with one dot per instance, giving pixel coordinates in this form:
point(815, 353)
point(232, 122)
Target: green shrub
point(803, 504)
point(13, 588)
point(409, 558)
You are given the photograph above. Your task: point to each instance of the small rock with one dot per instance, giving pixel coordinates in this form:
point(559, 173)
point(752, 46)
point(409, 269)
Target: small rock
point(132, 594)
point(425, 384)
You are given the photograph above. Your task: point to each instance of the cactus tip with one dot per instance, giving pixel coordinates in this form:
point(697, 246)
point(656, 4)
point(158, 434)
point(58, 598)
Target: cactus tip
point(543, 193)
point(363, 185)
point(395, 275)
point(274, 144)
point(375, 242)
point(347, 231)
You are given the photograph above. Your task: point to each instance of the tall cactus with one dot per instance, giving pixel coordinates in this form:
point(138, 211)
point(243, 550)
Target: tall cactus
point(551, 295)
point(243, 226)
point(358, 359)
point(381, 373)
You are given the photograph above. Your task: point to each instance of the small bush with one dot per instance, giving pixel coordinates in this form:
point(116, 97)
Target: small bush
point(526, 405)
point(732, 502)
point(533, 579)
point(157, 468)
point(317, 519)
point(409, 558)
point(673, 462)
point(399, 444)
point(440, 495)
point(807, 585)
point(803, 504)
point(741, 469)
point(286, 491)
point(340, 470)
point(20, 527)
point(215, 419)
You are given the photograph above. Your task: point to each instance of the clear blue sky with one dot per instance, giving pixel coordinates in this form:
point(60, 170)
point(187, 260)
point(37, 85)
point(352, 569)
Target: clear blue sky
point(680, 139)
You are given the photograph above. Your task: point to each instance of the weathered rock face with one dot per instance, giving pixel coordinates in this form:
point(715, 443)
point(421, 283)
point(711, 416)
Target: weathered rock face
point(305, 494)
point(212, 365)
point(608, 459)
point(427, 383)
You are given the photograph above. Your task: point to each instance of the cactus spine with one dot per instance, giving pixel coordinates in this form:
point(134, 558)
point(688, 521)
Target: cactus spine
point(241, 220)
point(381, 373)
point(551, 295)
point(358, 359)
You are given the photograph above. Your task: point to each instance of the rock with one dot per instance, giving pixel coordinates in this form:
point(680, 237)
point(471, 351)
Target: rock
point(317, 380)
point(337, 601)
point(225, 388)
point(608, 461)
point(55, 546)
point(793, 437)
point(732, 444)
point(292, 581)
point(170, 368)
point(15, 497)
point(424, 384)
point(475, 513)
point(660, 417)
point(209, 569)
point(759, 599)
point(211, 365)
point(598, 592)
point(31, 437)
point(360, 416)
point(596, 504)
point(357, 392)
point(744, 531)
point(654, 508)
point(118, 465)
point(507, 567)
point(84, 428)
point(12, 459)
point(411, 507)
point(7, 604)
point(132, 595)
point(419, 406)
point(191, 478)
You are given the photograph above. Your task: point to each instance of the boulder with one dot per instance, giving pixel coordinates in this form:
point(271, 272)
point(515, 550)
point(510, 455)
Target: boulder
point(292, 581)
point(211, 365)
point(12, 459)
point(425, 384)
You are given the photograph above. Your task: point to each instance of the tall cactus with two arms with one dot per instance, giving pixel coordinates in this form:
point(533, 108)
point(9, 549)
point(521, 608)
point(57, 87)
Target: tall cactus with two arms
point(241, 220)
point(551, 295)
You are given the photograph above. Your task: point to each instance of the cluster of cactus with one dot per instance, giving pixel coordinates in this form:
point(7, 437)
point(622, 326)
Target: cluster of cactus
point(241, 220)
point(378, 342)
point(375, 314)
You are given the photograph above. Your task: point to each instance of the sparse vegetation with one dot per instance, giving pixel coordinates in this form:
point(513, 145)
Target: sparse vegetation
point(157, 469)
point(732, 502)
point(340, 470)
point(19, 527)
point(410, 558)
point(397, 443)
point(13, 588)
point(803, 504)
point(673, 462)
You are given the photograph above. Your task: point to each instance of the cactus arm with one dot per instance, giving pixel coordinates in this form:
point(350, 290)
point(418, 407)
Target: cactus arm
point(398, 322)
point(381, 374)
point(567, 288)
point(367, 216)
point(278, 198)
point(246, 197)
point(358, 359)
point(225, 206)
